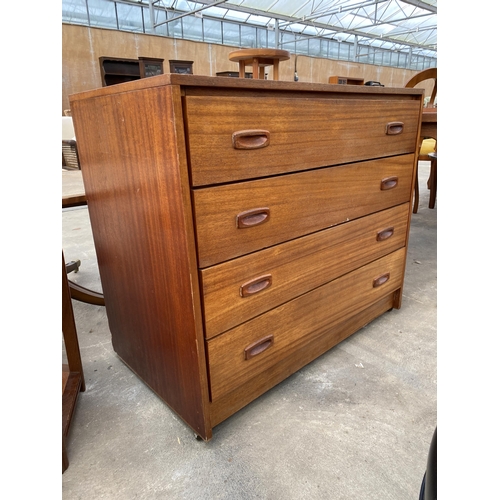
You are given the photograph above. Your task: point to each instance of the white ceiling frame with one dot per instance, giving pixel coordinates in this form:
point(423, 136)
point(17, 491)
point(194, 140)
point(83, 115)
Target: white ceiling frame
point(421, 5)
point(362, 32)
point(199, 9)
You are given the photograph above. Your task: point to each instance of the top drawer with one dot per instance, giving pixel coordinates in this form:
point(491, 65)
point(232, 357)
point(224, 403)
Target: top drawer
point(234, 138)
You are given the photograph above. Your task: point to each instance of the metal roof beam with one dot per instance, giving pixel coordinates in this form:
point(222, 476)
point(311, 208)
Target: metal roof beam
point(336, 10)
point(188, 13)
point(421, 5)
point(339, 29)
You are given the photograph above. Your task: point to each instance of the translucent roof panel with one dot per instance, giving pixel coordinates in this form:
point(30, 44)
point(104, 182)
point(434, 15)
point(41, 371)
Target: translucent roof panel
point(390, 24)
point(394, 25)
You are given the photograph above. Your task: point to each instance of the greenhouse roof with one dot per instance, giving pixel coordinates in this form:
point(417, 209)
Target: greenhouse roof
point(386, 24)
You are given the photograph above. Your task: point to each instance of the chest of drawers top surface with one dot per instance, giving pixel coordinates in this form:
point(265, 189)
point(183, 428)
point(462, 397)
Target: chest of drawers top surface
point(197, 82)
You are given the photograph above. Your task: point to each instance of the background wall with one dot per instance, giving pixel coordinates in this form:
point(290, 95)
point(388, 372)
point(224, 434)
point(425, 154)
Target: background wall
point(82, 46)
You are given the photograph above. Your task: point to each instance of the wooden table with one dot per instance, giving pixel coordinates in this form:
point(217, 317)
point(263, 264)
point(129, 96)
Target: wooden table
point(428, 130)
point(73, 195)
point(259, 59)
point(429, 123)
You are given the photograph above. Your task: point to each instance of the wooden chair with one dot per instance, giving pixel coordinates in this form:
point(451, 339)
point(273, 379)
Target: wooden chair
point(73, 381)
point(79, 292)
point(428, 144)
point(426, 74)
point(69, 148)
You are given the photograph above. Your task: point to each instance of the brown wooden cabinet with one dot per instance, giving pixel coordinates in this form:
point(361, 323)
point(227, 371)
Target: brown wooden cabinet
point(233, 74)
point(149, 66)
point(345, 80)
point(118, 70)
point(182, 67)
point(243, 227)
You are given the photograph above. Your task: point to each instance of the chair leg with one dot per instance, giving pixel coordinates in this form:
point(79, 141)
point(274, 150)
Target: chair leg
point(65, 460)
point(433, 183)
point(73, 265)
point(416, 197)
point(83, 294)
point(79, 292)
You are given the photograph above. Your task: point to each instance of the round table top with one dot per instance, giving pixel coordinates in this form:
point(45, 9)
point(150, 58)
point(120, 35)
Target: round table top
point(249, 54)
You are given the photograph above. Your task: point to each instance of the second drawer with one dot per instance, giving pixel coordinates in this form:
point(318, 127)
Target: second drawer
point(240, 289)
point(236, 219)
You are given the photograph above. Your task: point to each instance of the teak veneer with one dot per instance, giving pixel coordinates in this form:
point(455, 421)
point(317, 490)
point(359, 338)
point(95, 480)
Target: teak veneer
point(243, 227)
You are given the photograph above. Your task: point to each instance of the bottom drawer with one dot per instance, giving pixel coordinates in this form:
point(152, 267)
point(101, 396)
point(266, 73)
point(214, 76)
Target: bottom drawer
point(240, 354)
point(244, 394)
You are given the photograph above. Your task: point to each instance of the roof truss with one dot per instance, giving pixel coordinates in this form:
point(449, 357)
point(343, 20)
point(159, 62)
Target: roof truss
point(389, 24)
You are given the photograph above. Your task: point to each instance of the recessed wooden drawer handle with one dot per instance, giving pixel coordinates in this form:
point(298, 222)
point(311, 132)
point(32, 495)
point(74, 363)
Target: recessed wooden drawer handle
point(381, 280)
point(388, 183)
point(385, 234)
point(256, 285)
point(252, 218)
point(394, 128)
point(258, 347)
point(251, 139)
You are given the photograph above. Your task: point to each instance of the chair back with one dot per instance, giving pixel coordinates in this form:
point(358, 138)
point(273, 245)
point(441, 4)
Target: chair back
point(426, 74)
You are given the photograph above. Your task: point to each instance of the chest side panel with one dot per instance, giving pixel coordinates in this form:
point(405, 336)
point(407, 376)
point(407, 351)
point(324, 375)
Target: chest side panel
point(135, 175)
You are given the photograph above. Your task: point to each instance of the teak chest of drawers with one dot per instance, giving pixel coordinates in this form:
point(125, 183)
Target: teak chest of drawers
point(243, 227)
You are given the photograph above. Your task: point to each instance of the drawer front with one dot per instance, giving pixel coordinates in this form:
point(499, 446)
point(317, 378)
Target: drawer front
point(240, 289)
point(240, 354)
point(234, 138)
point(237, 219)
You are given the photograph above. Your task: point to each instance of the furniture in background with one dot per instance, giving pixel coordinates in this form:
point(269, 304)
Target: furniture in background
point(257, 225)
point(116, 70)
point(73, 381)
point(428, 136)
point(432, 183)
point(69, 147)
point(233, 74)
point(182, 67)
point(428, 488)
point(422, 76)
point(345, 80)
point(78, 292)
point(150, 66)
point(259, 59)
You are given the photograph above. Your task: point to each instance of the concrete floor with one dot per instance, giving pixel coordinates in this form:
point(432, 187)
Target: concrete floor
point(354, 424)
